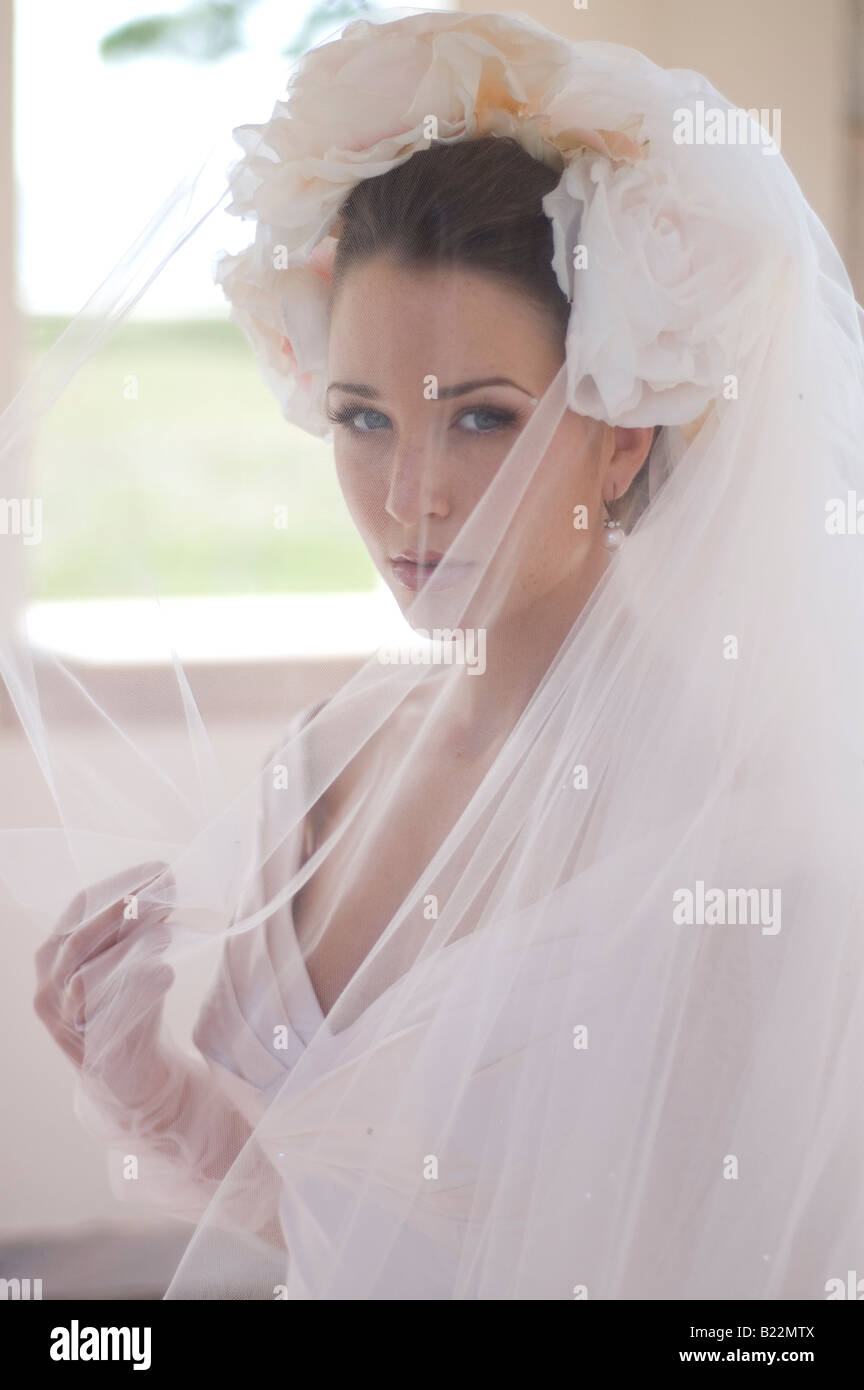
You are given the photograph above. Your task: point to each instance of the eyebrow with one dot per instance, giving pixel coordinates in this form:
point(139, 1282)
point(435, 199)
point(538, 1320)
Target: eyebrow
point(444, 392)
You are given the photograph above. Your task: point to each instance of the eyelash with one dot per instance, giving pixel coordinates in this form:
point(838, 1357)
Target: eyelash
point(347, 414)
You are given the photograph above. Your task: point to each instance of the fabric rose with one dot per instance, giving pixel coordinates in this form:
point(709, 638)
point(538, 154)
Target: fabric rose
point(661, 308)
point(360, 105)
point(663, 291)
point(356, 108)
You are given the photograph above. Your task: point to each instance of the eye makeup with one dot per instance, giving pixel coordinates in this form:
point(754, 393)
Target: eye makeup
point(502, 417)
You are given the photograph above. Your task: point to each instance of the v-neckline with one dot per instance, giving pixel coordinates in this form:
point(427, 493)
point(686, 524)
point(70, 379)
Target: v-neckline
point(301, 978)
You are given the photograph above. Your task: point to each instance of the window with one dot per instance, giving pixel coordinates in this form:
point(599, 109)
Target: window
point(167, 460)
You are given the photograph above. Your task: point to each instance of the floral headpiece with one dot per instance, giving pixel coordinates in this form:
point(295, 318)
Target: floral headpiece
point(660, 280)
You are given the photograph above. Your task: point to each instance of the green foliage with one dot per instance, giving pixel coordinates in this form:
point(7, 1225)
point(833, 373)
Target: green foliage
point(213, 29)
point(177, 482)
point(202, 33)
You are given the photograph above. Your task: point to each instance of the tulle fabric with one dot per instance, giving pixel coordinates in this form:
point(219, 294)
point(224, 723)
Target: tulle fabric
point(540, 1082)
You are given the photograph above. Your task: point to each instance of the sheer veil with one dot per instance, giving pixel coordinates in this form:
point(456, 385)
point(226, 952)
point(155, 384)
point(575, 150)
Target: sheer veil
point(607, 1041)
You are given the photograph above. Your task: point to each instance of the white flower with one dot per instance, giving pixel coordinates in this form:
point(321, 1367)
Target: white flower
point(356, 108)
point(284, 315)
point(360, 105)
point(663, 306)
point(680, 266)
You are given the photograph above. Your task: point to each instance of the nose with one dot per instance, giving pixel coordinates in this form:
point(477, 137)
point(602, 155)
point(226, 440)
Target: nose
point(417, 487)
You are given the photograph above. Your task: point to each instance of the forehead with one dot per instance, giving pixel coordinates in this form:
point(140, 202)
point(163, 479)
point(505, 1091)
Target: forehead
point(400, 322)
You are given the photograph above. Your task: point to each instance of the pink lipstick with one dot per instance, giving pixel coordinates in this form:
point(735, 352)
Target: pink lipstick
point(414, 569)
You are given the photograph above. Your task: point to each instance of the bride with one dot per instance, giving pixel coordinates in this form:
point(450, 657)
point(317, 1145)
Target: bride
point(590, 392)
point(490, 326)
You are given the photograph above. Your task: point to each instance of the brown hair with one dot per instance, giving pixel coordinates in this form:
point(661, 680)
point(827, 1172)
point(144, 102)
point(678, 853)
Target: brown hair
point(473, 203)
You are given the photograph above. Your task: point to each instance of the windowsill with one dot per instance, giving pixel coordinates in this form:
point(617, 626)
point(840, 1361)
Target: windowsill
point(245, 657)
point(230, 630)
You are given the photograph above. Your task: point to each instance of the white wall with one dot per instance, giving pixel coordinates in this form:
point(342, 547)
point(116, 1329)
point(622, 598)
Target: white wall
point(791, 54)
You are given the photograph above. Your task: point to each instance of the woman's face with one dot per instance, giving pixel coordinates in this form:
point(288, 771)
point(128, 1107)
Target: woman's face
point(413, 467)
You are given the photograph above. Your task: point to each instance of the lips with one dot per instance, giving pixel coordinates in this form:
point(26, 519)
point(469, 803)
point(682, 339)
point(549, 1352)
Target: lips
point(413, 569)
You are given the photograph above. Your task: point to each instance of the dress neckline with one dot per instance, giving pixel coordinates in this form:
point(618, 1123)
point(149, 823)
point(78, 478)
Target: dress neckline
point(300, 1005)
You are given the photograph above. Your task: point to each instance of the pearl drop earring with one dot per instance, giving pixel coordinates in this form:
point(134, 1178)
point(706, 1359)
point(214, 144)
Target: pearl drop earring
point(613, 537)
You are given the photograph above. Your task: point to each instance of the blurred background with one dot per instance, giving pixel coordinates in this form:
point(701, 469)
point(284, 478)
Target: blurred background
point(105, 106)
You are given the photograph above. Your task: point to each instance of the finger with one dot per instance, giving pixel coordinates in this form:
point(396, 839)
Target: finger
point(96, 898)
point(51, 1000)
point(145, 1017)
point(130, 1001)
point(68, 1037)
point(125, 965)
point(111, 925)
point(89, 1035)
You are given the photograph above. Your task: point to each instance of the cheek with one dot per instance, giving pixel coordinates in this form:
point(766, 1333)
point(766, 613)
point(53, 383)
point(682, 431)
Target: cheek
point(363, 487)
point(552, 536)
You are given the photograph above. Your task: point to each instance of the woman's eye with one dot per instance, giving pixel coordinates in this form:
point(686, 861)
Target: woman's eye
point(483, 419)
point(361, 419)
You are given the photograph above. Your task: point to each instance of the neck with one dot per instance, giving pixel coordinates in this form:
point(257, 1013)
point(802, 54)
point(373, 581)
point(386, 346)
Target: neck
point(481, 708)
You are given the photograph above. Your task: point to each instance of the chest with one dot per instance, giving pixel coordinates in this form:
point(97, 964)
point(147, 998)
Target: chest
point(342, 910)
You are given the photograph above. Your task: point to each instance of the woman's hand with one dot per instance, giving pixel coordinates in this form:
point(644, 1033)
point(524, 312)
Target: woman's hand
point(101, 981)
